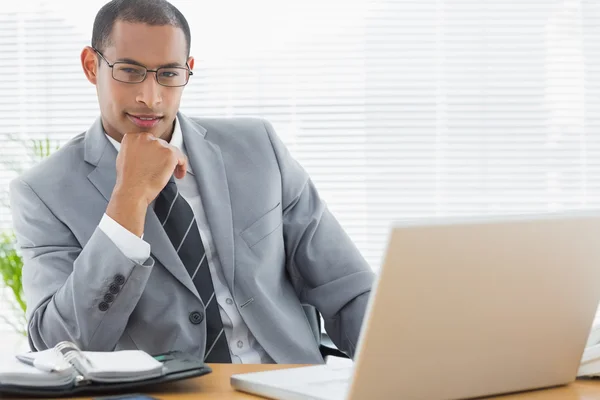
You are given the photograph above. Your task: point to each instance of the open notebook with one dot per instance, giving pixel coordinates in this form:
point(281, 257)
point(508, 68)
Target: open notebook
point(65, 369)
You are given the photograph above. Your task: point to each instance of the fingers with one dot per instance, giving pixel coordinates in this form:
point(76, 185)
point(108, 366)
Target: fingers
point(182, 163)
point(172, 155)
point(180, 158)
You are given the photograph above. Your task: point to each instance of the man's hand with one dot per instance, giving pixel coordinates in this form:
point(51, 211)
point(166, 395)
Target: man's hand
point(144, 166)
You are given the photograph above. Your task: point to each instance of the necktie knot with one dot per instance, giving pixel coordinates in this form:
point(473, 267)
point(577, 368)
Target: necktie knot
point(171, 186)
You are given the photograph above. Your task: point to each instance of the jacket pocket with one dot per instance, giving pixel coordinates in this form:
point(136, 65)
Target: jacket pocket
point(263, 226)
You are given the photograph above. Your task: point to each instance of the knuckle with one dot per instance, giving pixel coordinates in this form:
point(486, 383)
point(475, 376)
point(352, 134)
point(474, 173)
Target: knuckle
point(166, 152)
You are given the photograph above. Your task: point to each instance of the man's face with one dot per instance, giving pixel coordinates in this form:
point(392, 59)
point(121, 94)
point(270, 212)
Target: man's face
point(126, 107)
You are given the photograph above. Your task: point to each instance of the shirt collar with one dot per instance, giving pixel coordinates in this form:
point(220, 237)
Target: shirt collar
point(176, 140)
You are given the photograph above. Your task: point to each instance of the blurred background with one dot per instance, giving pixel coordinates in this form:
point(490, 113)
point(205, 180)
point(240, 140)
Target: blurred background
point(397, 109)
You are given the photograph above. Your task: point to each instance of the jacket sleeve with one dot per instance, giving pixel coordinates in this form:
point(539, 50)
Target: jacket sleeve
point(325, 266)
point(84, 294)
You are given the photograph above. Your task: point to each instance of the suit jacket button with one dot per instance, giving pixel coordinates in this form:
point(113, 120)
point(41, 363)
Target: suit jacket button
point(119, 279)
point(109, 298)
point(103, 306)
point(196, 317)
point(114, 288)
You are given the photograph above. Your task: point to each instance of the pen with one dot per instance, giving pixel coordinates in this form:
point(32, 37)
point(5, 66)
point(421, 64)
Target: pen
point(25, 360)
point(35, 363)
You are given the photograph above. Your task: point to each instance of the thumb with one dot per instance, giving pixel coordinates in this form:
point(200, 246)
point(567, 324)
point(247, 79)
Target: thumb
point(180, 171)
point(181, 168)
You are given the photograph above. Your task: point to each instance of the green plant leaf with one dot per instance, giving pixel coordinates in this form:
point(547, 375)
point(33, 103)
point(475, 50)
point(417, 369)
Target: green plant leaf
point(11, 263)
point(11, 267)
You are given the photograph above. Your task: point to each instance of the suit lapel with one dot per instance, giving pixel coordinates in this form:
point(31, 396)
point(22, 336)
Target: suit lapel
point(209, 169)
point(102, 154)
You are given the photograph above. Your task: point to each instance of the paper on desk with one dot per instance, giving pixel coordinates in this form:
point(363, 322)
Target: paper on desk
point(590, 362)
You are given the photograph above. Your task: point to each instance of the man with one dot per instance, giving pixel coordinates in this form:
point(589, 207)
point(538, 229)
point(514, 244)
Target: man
point(157, 231)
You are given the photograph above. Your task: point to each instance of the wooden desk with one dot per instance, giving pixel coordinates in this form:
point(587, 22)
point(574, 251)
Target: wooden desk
point(216, 386)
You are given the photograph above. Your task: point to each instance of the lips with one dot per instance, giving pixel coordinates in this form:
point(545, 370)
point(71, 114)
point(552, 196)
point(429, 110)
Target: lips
point(145, 120)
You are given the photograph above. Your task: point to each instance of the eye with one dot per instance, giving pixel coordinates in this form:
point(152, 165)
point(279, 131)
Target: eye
point(169, 74)
point(131, 70)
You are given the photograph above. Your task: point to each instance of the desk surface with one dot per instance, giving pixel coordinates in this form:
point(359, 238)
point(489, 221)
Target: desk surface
point(216, 386)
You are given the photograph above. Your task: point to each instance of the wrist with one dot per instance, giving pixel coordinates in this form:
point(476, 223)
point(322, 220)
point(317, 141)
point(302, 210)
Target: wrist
point(128, 208)
point(130, 196)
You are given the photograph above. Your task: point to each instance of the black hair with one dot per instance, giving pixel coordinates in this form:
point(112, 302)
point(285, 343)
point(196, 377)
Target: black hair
point(151, 12)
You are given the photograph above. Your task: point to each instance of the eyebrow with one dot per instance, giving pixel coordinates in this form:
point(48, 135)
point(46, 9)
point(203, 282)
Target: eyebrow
point(170, 65)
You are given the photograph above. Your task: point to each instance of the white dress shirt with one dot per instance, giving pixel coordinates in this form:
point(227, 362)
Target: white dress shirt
point(242, 345)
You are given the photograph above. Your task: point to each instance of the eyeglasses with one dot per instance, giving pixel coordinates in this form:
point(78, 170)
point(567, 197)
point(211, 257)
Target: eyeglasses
point(133, 73)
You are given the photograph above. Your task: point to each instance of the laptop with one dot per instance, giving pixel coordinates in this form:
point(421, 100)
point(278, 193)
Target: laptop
point(464, 308)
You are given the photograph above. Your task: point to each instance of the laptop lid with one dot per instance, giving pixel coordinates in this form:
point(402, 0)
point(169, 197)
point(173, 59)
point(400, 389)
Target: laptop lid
point(472, 307)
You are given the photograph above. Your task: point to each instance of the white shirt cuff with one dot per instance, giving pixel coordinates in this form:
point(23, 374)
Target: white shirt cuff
point(133, 247)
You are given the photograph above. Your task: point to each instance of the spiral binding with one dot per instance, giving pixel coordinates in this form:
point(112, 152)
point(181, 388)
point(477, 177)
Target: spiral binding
point(70, 353)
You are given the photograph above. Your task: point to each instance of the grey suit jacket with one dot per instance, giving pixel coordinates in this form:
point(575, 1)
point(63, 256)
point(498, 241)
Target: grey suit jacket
point(279, 246)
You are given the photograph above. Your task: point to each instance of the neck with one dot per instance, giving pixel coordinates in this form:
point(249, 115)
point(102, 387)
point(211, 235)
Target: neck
point(169, 133)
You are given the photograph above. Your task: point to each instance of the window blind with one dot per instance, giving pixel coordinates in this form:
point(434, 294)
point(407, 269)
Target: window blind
point(397, 109)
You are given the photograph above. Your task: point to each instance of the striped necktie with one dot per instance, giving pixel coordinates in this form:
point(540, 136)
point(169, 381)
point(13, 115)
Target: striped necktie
point(179, 222)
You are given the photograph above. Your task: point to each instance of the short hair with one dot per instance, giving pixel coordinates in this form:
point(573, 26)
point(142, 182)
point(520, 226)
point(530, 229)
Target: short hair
point(151, 12)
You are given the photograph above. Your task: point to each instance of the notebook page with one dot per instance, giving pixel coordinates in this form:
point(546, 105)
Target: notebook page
point(14, 372)
point(123, 365)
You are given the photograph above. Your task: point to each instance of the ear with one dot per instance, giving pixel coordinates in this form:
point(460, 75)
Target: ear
point(190, 62)
point(89, 62)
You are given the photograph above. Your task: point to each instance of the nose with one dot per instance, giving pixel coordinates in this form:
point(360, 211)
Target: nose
point(149, 91)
